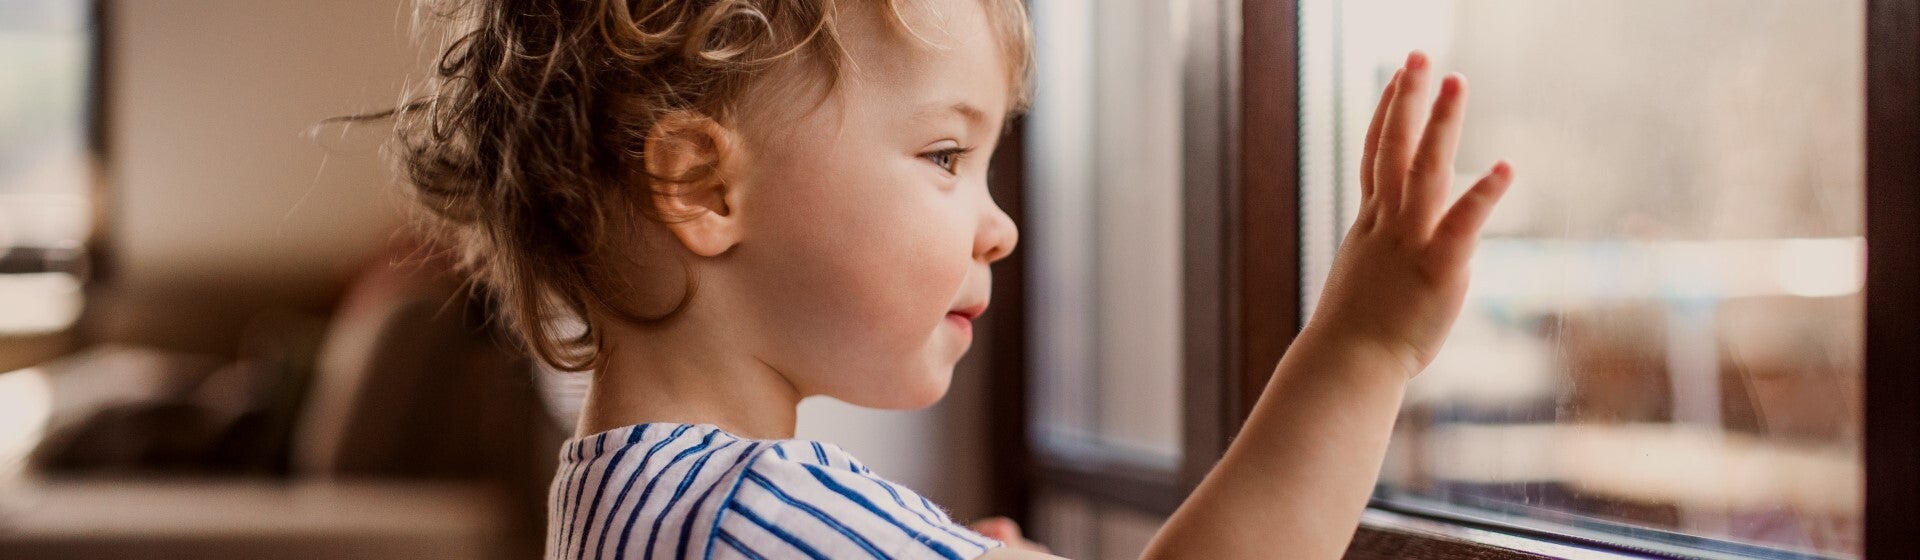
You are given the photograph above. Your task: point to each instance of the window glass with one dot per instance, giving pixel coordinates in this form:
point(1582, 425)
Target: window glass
point(1662, 342)
point(1074, 526)
point(1104, 238)
point(46, 52)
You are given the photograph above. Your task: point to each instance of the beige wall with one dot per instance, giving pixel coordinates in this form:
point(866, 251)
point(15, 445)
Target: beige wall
point(220, 206)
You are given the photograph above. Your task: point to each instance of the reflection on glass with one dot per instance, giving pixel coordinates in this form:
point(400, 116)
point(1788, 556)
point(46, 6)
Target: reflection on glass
point(1104, 238)
point(1663, 337)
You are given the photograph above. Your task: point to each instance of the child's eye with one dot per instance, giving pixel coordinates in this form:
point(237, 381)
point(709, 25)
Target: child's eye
point(947, 158)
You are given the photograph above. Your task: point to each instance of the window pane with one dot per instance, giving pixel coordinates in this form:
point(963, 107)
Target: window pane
point(1663, 337)
point(1074, 526)
point(1105, 234)
point(46, 51)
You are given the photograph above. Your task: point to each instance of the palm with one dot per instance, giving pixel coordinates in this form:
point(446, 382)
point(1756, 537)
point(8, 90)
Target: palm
point(1401, 275)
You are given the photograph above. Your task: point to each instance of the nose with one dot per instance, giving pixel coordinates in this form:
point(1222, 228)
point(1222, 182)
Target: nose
point(996, 236)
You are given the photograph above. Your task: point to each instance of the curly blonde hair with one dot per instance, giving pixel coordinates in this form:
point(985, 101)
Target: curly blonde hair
point(533, 122)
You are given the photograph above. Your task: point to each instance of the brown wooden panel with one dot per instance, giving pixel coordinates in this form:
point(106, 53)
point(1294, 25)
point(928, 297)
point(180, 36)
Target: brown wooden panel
point(1265, 209)
point(1207, 329)
point(1147, 490)
point(99, 123)
point(1893, 278)
point(1010, 468)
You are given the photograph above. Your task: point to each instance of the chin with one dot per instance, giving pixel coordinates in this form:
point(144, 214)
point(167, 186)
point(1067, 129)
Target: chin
point(914, 391)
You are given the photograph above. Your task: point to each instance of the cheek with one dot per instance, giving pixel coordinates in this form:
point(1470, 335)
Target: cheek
point(863, 275)
point(891, 268)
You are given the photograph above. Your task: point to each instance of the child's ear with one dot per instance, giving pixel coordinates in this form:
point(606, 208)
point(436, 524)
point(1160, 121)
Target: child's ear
point(686, 160)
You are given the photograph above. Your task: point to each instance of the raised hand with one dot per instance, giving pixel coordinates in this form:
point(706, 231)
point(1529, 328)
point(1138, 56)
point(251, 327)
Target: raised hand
point(1401, 275)
point(1308, 456)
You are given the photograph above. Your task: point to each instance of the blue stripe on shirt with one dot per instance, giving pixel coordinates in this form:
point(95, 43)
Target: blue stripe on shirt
point(572, 466)
point(776, 531)
point(581, 552)
point(586, 468)
point(726, 537)
point(601, 488)
point(653, 535)
point(823, 516)
point(939, 548)
point(935, 509)
point(733, 490)
point(812, 505)
point(686, 527)
point(923, 517)
point(641, 502)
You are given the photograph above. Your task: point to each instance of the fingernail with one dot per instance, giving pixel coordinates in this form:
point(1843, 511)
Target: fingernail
point(1416, 60)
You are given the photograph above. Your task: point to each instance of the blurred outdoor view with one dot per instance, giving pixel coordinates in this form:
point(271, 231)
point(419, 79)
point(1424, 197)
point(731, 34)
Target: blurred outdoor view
point(1663, 336)
point(45, 180)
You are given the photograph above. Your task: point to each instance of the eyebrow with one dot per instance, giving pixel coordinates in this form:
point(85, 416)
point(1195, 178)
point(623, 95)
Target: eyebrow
point(972, 114)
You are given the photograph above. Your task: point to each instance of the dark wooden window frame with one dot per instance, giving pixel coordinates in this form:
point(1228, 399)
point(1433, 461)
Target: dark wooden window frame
point(1242, 293)
point(1893, 278)
point(100, 120)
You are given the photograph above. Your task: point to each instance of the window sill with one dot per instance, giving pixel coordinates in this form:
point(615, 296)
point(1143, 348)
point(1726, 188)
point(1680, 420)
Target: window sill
point(1388, 535)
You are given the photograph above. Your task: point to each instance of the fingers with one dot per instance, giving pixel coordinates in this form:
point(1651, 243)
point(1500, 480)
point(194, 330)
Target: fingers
point(1400, 134)
point(1461, 226)
point(1372, 142)
point(997, 528)
point(1431, 173)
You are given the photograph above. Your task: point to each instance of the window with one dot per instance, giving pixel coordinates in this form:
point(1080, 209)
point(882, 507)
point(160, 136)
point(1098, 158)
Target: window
point(1105, 207)
point(1691, 329)
point(1117, 169)
point(46, 178)
point(1663, 341)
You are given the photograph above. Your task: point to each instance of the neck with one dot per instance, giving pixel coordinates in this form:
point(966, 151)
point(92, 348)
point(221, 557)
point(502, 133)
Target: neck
point(687, 372)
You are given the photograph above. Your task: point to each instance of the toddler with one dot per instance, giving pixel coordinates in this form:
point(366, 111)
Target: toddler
point(744, 203)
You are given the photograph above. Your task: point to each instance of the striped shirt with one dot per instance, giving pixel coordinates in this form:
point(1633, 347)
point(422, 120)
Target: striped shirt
point(666, 490)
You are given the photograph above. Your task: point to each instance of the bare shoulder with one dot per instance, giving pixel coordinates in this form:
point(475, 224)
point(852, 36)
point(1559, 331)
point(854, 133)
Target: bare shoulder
point(1005, 553)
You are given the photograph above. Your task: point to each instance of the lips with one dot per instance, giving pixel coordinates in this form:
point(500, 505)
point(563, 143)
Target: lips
point(969, 312)
point(962, 318)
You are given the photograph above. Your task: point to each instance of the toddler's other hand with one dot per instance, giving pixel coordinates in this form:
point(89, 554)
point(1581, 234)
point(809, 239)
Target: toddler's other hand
point(1400, 277)
point(1006, 531)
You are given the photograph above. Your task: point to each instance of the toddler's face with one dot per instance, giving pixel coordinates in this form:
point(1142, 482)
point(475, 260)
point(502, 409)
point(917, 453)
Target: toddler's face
point(868, 229)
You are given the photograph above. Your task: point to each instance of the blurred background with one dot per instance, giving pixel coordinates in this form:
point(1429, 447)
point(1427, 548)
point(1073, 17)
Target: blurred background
point(216, 339)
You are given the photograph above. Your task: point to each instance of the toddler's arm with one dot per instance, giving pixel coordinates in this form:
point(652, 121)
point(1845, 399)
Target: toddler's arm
point(1295, 481)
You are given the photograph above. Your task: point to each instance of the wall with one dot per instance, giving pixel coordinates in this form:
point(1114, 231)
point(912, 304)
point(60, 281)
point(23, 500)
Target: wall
point(220, 205)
